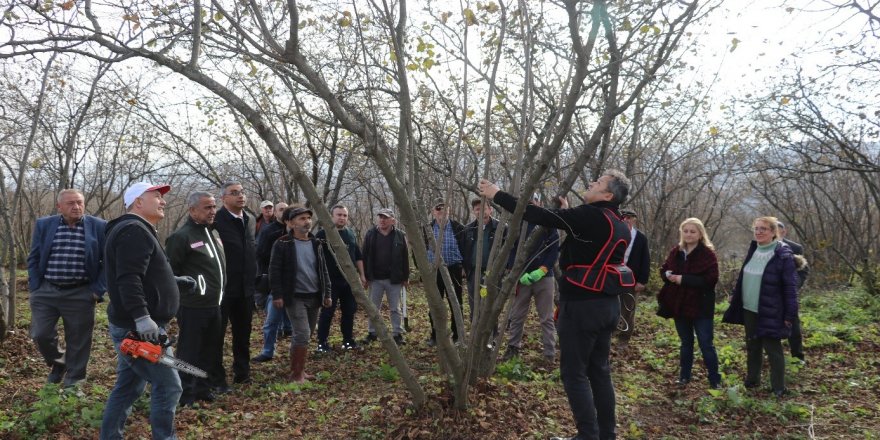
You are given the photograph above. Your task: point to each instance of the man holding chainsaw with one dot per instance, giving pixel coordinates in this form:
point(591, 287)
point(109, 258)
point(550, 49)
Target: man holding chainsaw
point(195, 250)
point(144, 297)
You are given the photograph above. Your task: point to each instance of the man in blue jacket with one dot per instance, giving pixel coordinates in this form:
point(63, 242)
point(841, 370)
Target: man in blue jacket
point(65, 279)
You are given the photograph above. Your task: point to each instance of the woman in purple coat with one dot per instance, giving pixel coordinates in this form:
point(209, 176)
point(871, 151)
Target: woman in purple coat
point(689, 275)
point(765, 301)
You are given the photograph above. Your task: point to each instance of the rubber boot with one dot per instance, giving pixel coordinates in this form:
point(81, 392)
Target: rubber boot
point(297, 363)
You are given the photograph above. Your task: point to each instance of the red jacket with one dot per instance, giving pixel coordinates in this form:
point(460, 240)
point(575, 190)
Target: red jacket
point(695, 297)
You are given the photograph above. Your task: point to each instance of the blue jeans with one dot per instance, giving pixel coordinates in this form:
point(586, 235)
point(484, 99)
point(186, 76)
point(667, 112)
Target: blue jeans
point(132, 376)
point(275, 319)
point(703, 327)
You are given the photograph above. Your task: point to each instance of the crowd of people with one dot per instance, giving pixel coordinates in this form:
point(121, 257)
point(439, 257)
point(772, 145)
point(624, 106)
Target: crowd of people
point(223, 263)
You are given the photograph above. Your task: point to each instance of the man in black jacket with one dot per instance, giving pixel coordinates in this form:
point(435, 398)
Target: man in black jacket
point(300, 282)
point(143, 298)
point(386, 269)
point(483, 218)
point(450, 246)
point(276, 320)
point(796, 340)
point(236, 229)
point(195, 250)
point(593, 275)
point(340, 290)
point(638, 258)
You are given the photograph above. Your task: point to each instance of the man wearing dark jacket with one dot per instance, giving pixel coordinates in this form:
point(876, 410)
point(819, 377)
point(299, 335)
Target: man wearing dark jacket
point(143, 298)
point(195, 250)
point(450, 246)
point(796, 340)
point(341, 293)
point(638, 258)
point(236, 229)
point(65, 280)
point(483, 218)
point(593, 275)
point(300, 282)
point(276, 320)
point(386, 269)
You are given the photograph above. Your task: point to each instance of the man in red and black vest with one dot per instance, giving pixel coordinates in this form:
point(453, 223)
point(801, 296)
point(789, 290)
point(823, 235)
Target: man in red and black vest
point(591, 259)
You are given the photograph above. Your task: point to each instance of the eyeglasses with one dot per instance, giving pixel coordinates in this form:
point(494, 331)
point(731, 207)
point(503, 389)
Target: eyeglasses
point(762, 229)
point(235, 193)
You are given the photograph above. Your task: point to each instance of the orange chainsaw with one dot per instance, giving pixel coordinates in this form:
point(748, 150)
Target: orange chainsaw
point(136, 347)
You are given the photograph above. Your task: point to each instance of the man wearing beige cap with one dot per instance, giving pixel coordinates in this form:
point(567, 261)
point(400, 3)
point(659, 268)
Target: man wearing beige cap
point(267, 216)
point(144, 297)
point(386, 267)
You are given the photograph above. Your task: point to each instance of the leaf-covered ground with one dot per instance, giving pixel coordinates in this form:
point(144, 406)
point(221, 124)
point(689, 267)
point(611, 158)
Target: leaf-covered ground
point(359, 396)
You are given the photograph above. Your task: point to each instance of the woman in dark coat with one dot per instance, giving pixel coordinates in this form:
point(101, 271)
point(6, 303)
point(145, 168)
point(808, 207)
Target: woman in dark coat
point(689, 275)
point(765, 301)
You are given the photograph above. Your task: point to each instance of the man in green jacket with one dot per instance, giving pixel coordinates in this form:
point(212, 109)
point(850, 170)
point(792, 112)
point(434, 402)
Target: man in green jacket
point(195, 250)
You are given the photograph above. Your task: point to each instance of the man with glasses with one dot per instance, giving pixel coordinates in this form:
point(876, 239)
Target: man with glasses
point(591, 259)
point(448, 237)
point(236, 228)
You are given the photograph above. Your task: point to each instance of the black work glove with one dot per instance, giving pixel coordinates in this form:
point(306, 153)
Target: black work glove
point(185, 284)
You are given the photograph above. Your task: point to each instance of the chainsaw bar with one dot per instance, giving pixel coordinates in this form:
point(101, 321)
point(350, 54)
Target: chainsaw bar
point(180, 365)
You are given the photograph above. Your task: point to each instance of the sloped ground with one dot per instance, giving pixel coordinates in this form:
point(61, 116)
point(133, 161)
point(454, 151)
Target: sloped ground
point(358, 396)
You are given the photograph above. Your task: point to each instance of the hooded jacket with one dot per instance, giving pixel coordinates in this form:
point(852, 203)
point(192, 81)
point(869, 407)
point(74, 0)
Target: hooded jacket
point(778, 301)
point(140, 281)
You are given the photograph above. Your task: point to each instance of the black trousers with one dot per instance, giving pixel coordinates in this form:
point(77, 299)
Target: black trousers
point(585, 329)
point(199, 343)
point(237, 311)
point(342, 296)
point(455, 274)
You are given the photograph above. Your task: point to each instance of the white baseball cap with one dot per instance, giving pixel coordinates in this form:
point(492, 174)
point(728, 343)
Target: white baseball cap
point(138, 189)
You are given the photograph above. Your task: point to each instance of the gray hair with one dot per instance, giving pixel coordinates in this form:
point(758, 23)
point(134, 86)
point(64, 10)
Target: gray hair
point(225, 185)
point(193, 199)
point(67, 191)
point(618, 185)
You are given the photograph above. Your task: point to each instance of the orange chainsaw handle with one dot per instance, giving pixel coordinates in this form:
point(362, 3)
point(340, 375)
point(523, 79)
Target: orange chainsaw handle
point(141, 349)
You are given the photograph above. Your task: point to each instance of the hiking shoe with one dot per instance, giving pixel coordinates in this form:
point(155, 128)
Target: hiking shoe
point(262, 357)
point(510, 353)
point(350, 345)
point(57, 373)
point(370, 338)
point(323, 348)
point(682, 382)
point(398, 339)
